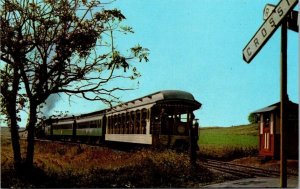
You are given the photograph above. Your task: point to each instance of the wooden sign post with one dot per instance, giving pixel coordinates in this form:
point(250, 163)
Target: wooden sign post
point(278, 16)
point(283, 107)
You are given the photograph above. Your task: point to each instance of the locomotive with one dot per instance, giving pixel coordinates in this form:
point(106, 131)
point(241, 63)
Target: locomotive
point(161, 118)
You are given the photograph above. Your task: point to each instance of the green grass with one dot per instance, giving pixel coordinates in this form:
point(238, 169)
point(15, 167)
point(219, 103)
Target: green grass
point(235, 141)
point(236, 136)
point(222, 140)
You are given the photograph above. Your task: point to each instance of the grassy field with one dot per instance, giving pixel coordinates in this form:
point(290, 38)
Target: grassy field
point(236, 136)
point(63, 165)
point(222, 142)
point(69, 166)
point(5, 132)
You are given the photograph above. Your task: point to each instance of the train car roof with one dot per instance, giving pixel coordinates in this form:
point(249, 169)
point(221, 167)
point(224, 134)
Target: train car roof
point(71, 117)
point(165, 95)
point(170, 95)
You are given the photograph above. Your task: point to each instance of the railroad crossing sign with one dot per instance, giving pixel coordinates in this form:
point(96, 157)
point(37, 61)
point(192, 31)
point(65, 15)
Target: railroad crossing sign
point(278, 16)
point(292, 19)
point(267, 29)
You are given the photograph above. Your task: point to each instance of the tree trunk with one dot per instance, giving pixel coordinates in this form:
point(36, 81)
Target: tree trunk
point(11, 107)
point(15, 140)
point(30, 137)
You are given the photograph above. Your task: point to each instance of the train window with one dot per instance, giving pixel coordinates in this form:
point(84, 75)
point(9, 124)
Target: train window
point(177, 118)
point(144, 113)
point(132, 115)
point(68, 126)
point(127, 122)
point(63, 126)
point(266, 118)
point(148, 114)
point(109, 124)
point(83, 125)
point(143, 121)
point(123, 123)
point(93, 124)
point(183, 118)
point(113, 123)
point(137, 122)
point(118, 124)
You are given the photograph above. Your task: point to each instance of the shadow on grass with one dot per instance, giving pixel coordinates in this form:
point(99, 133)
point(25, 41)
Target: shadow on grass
point(37, 178)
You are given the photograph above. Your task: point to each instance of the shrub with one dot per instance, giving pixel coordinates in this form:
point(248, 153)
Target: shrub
point(64, 166)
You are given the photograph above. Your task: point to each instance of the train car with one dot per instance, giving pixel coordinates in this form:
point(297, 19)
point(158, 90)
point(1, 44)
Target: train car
point(91, 126)
point(85, 127)
point(161, 118)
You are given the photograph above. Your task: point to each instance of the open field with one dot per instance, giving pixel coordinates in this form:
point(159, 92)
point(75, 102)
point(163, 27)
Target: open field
point(228, 142)
point(5, 132)
point(74, 165)
point(236, 136)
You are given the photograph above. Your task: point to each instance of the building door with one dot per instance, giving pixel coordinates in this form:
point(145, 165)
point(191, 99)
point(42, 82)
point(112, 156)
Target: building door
point(266, 135)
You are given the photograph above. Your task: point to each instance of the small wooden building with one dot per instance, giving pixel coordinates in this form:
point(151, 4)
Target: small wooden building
point(269, 131)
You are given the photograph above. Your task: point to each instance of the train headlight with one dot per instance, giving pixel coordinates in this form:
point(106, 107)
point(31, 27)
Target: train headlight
point(181, 129)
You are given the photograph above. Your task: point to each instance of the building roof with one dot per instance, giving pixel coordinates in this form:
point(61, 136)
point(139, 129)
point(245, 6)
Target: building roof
point(275, 106)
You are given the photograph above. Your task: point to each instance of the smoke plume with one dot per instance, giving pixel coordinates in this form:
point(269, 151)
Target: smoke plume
point(49, 104)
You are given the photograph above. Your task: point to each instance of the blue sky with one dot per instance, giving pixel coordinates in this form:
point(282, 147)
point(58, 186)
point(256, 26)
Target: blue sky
point(196, 46)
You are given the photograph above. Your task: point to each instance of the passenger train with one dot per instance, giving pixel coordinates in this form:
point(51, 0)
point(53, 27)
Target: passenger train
point(162, 118)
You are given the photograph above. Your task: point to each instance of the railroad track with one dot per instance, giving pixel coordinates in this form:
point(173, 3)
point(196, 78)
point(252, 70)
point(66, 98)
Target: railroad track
point(240, 170)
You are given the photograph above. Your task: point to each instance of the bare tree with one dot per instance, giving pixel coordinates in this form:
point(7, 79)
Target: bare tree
point(69, 47)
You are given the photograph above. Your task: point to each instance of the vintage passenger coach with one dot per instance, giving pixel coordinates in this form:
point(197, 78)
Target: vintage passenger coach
point(161, 118)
